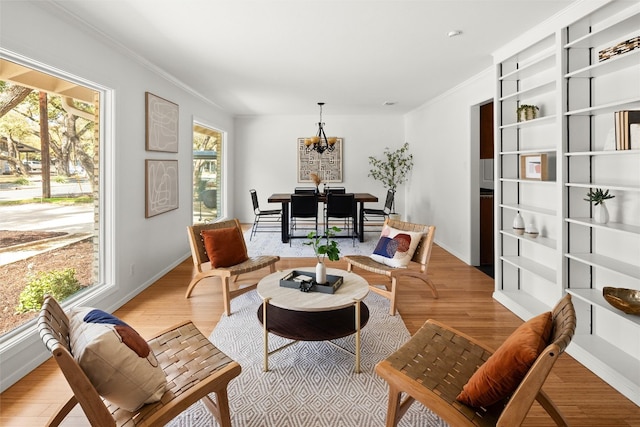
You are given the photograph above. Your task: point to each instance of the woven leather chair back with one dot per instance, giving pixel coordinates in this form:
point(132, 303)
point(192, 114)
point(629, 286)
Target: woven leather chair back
point(198, 252)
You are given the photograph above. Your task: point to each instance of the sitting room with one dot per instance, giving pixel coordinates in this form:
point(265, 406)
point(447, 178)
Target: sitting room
point(298, 196)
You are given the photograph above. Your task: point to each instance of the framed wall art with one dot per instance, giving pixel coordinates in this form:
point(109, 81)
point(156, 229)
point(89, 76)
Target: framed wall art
point(327, 165)
point(161, 127)
point(161, 186)
point(534, 167)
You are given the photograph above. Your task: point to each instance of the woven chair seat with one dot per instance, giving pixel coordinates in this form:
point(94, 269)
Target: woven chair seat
point(193, 366)
point(187, 358)
point(252, 264)
point(204, 269)
point(417, 267)
point(442, 362)
point(437, 361)
point(367, 263)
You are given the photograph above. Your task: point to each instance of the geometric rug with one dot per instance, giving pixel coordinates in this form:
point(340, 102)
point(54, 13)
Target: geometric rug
point(310, 384)
point(271, 244)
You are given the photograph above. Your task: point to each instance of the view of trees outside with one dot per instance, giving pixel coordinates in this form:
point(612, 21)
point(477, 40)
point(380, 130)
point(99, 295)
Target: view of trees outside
point(207, 146)
point(48, 162)
point(70, 136)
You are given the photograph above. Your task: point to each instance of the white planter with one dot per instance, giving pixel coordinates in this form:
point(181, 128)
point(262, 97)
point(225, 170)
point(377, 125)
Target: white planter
point(321, 273)
point(601, 213)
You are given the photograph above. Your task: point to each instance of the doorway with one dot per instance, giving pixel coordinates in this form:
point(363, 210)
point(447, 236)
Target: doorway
point(486, 184)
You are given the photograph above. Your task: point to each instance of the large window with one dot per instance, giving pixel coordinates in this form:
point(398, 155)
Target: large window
point(207, 173)
point(49, 191)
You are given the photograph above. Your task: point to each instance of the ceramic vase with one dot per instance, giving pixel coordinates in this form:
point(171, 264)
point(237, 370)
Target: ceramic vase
point(518, 224)
point(531, 231)
point(321, 273)
point(601, 213)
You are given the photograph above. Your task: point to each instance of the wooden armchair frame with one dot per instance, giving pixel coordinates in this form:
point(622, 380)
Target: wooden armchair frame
point(417, 267)
point(193, 365)
point(204, 269)
point(434, 365)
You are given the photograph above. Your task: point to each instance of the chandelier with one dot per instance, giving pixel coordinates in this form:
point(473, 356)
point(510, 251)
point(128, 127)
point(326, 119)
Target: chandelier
point(320, 142)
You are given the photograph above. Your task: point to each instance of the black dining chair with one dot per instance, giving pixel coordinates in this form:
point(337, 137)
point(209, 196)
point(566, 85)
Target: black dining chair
point(379, 215)
point(264, 220)
point(335, 190)
point(342, 206)
point(303, 206)
point(304, 190)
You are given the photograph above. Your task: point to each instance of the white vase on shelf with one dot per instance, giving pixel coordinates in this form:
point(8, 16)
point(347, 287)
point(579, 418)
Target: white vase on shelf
point(601, 213)
point(518, 224)
point(531, 231)
point(321, 273)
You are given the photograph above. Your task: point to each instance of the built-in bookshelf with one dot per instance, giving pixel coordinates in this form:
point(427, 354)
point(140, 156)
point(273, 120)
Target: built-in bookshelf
point(578, 91)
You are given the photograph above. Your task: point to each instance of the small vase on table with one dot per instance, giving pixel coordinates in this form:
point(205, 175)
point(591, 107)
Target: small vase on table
point(321, 273)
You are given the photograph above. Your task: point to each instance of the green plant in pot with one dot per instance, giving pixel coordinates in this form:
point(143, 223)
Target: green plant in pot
point(393, 169)
point(527, 112)
point(324, 247)
point(597, 197)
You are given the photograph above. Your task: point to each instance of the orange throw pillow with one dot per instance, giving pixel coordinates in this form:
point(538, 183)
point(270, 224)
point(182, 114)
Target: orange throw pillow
point(225, 246)
point(501, 374)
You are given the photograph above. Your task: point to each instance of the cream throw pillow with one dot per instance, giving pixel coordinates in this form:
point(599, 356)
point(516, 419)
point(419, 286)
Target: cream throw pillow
point(396, 247)
point(117, 360)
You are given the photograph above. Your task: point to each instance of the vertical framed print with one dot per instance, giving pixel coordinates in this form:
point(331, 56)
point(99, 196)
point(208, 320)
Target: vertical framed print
point(161, 186)
point(161, 128)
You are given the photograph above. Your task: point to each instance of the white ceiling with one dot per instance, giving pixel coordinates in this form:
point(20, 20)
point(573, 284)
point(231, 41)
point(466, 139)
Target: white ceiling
point(284, 56)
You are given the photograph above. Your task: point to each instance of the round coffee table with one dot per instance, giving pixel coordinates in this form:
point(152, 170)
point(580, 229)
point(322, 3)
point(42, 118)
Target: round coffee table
point(313, 316)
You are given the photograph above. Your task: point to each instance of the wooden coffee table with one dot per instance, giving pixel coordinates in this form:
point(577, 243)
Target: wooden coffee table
point(313, 316)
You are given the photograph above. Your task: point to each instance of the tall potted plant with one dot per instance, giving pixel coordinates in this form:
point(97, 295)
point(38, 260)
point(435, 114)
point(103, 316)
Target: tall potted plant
point(393, 169)
point(324, 246)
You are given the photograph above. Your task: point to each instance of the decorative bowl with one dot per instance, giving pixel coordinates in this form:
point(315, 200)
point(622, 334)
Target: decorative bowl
point(627, 300)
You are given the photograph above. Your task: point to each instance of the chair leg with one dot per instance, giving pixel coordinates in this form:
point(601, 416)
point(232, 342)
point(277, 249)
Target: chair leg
point(392, 304)
point(226, 297)
point(254, 229)
point(393, 407)
point(193, 283)
point(62, 413)
point(220, 408)
point(551, 408)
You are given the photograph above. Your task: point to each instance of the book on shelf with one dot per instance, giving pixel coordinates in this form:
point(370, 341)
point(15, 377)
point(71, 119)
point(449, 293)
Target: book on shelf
point(627, 129)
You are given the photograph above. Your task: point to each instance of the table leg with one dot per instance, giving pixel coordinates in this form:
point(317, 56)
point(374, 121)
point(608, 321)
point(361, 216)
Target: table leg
point(265, 302)
point(360, 222)
point(284, 223)
point(357, 306)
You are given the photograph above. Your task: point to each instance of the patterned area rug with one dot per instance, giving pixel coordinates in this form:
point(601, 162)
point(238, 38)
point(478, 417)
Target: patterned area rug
point(309, 383)
point(271, 244)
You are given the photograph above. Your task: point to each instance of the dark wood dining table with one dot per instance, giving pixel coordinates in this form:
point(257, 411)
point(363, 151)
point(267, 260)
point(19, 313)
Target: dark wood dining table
point(285, 199)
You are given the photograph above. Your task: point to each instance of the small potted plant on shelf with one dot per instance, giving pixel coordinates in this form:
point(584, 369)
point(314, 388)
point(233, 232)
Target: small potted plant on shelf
point(393, 170)
point(527, 112)
point(324, 247)
point(598, 196)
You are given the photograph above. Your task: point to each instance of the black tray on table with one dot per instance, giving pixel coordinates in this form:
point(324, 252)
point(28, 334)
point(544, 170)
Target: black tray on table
point(306, 282)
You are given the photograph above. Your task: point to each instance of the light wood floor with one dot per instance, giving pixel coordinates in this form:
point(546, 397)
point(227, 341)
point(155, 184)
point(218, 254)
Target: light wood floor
point(465, 302)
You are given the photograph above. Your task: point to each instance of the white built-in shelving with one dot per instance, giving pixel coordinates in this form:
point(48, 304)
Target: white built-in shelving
point(577, 95)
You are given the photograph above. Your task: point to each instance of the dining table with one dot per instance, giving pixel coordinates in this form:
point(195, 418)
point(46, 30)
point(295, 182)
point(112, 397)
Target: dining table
point(285, 200)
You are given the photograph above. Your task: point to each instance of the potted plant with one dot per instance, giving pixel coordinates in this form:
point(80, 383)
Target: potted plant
point(527, 112)
point(393, 169)
point(598, 196)
point(323, 247)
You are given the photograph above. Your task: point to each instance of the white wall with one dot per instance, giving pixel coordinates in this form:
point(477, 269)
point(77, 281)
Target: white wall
point(153, 246)
point(441, 188)
point(266, 153)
